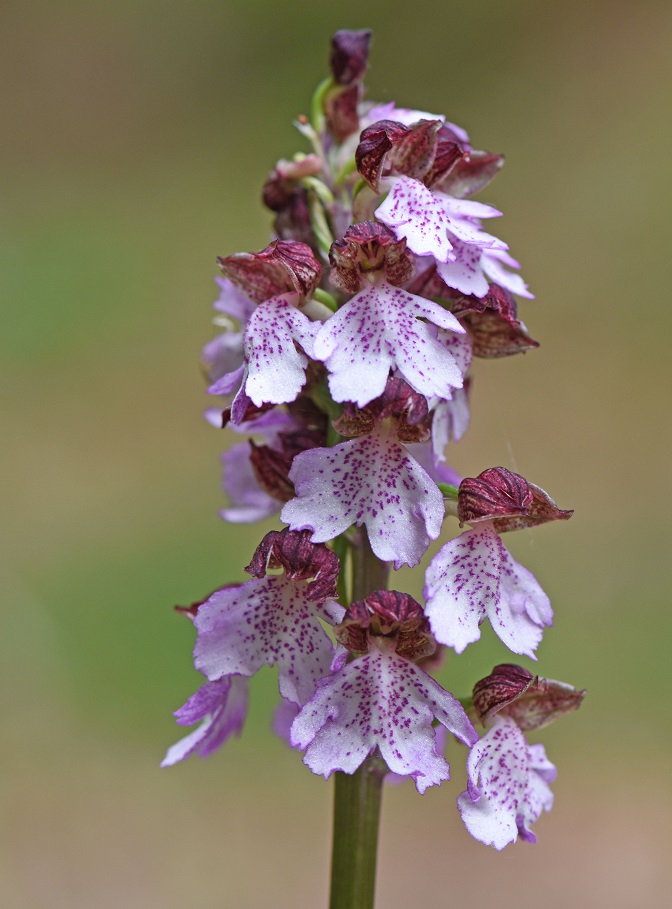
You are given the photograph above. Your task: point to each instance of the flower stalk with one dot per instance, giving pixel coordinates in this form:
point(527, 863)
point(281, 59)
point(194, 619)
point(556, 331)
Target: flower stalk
point(357, 799)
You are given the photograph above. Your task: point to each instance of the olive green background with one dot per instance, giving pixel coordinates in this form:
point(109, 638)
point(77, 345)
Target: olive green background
point(136, 139)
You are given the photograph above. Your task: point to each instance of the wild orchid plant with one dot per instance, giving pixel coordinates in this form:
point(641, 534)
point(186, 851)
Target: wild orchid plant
point(345, 351)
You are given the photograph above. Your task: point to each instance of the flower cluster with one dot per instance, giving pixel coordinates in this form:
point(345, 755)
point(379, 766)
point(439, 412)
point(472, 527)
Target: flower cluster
point(344, 355)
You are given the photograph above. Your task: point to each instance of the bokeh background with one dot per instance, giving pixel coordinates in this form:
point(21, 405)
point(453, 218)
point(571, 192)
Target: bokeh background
point(136, 138)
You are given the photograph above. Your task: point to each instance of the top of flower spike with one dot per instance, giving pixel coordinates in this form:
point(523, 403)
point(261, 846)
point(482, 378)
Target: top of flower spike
point(283, 266)
point(506, 499)
point(349, 55)
point(348, 60)
point(530, 701)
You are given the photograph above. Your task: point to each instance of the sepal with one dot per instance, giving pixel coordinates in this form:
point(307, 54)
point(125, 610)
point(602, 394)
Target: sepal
point(387, 613)
point(283, 266)
point(530, 701)
point(367, 247)
point(506, 499)
point(299, 559)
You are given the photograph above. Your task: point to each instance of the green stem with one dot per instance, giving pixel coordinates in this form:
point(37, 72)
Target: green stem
point(357, 796)
point(368, 572)
point(356, 817)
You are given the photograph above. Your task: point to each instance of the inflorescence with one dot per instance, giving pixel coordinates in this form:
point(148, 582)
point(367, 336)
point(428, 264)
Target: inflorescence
point(344, 354)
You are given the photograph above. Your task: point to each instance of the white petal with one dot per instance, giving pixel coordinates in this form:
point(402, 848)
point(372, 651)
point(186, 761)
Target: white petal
point(373, 481)
point(276, 369)
point(266, 621)
point(381, 329)
point(379, 700)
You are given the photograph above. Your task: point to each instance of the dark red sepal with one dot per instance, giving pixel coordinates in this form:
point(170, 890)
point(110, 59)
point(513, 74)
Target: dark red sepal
point(284, 178)
point(283, 266)
point(349, 56)
point(414, 153)
point(530, 701)
point(493, 323)
point(398, 401)
point(271, 469)
point(365, 247)
point(494, 493)
point(374, 144)
point(342, 112)
point(300, 559)
point(470, 173)
point(449, 152)
point(506, 499)
point(505, 683)
point(271, 465)
point(387, 613)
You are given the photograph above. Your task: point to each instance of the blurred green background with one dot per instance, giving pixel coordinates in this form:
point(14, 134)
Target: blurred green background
point(137, 137)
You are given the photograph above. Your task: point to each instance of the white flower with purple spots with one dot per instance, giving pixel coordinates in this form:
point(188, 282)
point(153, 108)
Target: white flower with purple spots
point(508, 786)
point(474, 577)
point(381, 329)
point(371, 480)
point(379, 700)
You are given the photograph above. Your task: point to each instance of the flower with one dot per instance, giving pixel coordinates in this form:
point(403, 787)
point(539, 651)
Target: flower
point(371, 480)
point(507, 778)
point(508, 786)
point(273, 620)
point(383, 327)
point(381, 699)
point(475, 577)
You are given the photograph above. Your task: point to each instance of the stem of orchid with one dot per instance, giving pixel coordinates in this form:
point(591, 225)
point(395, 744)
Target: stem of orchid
point(356, 818)
point(357, 796)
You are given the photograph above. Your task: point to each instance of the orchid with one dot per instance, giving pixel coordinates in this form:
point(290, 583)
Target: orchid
point(509, 779)
point(344, 354)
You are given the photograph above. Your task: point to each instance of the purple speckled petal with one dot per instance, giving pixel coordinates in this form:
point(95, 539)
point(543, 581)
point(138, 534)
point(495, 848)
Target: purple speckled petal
point(248, 500)
point(222, 706)
point(414, 212)
point(380, 329)
point(466, 272)
point(473, 577)
point(268, 621)
point(463, 226)
point(538, 795)
point(451, 421)
point(371, 480)
point(276, 369)
point(451, 414)
point(507, 792)
point(493, 263)
point(380, 700)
